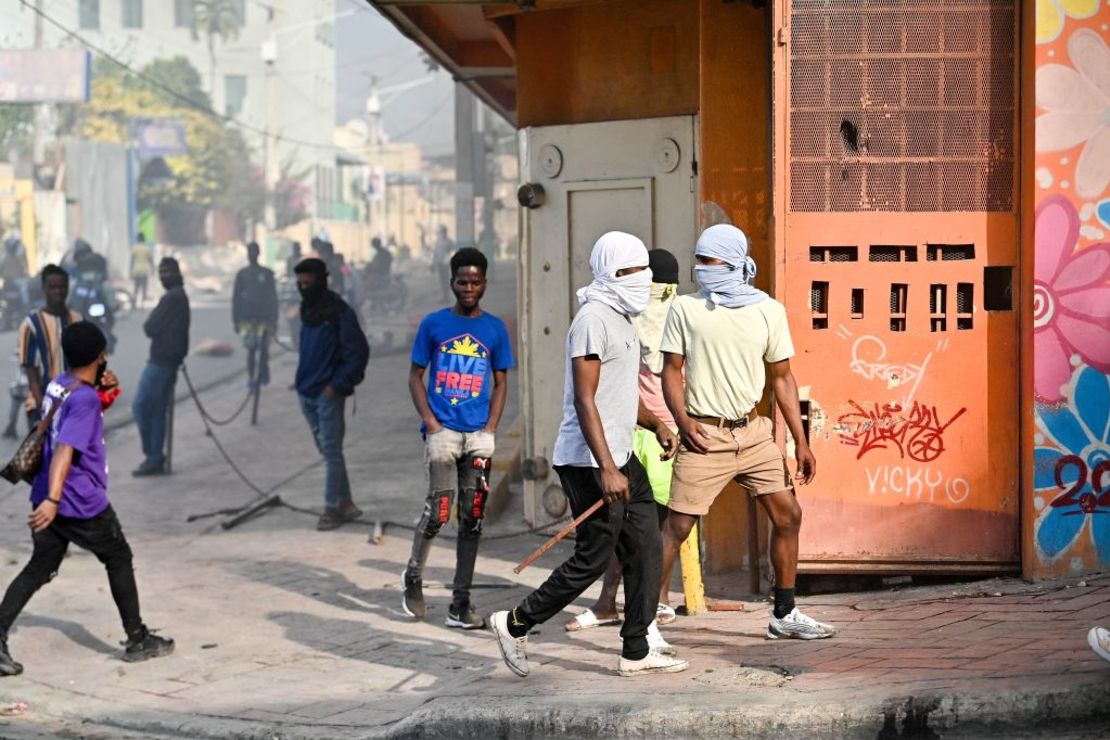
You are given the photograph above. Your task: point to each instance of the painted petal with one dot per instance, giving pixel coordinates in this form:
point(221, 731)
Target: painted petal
point(1092, 304)
point(1061, 88)
point(1051, 367)
point(1092, 171)
point(1056, 531)
point(1044, 468)
point(1091, 58)
point(1092, 401)
point(1050, 21)
point(1079, 8)
point(1089, 266)
point(1060, 130)
point(1100, 533)
point(1056, 230)
point(1089, 339)
point(1064, 428)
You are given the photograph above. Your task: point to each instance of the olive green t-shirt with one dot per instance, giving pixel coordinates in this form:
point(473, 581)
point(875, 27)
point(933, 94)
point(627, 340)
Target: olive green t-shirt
point(725, 349)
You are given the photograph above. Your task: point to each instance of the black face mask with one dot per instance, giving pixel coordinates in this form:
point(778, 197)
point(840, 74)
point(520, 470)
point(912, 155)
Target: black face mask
point(312, 293)
point(100, 370)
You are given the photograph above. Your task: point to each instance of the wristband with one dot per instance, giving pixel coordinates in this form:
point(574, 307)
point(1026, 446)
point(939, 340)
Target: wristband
point(55, 501)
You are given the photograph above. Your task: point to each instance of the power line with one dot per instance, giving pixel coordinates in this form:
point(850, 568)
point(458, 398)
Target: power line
point(195, 105)
point(427, 119)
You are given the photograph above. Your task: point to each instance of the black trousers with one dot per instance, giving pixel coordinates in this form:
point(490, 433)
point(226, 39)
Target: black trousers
point(631, 529)
point(103, 537)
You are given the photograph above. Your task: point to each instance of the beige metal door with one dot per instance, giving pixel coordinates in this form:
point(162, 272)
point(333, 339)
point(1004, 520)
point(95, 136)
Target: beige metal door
point(634, 176)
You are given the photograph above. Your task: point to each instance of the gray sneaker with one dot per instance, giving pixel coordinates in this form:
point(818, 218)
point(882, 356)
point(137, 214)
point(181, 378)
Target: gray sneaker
point(513, 649)
point(464, 619)
point(798, 626)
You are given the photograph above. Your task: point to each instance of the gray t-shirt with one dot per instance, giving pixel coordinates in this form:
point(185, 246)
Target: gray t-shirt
point(599, 330)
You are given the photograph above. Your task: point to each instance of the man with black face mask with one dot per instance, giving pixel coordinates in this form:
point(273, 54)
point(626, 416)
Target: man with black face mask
point(332, 361)
point(168, 329)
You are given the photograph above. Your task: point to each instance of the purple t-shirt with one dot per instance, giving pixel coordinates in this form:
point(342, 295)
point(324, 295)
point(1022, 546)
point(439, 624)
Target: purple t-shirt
point(78, 423)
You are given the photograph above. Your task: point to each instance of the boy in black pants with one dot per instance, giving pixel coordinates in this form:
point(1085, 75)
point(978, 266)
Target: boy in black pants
point(70, 499)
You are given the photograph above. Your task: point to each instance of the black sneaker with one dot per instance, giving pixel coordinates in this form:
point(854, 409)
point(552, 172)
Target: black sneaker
point(146, 647)
point(464, 619)
point(147, 468)
point(8, 665)
point(412, 601)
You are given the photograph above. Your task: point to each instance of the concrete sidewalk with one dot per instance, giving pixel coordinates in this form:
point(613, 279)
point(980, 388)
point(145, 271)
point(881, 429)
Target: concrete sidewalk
point(286, 632)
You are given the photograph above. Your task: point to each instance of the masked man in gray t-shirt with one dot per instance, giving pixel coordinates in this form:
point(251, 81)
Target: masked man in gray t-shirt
point(594, 460)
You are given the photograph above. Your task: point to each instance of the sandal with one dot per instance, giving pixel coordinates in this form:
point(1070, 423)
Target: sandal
point(665, 614)
point(587, 620)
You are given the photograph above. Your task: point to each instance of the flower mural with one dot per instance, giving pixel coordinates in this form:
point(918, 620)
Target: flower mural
point(1077, 104)
point(1071, 300)
point(1071, 468)
point(1051, 15)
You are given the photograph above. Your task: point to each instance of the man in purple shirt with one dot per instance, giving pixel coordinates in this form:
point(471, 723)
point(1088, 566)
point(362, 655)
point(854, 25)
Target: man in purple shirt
point(70, 499)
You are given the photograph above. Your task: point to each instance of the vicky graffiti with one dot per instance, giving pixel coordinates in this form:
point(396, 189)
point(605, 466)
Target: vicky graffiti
point(916, 483)
point(916, 432)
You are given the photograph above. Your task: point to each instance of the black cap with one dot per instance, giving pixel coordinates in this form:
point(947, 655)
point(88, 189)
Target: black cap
point(664, 266)
point(312, 266)
point(82, 343)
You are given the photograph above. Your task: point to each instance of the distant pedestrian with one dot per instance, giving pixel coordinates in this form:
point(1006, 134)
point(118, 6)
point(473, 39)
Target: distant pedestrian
point(593, 458)
point(441, 260)
point(168, 329)
point(254, 314)
point(70, 500)
point(332, 361)
point(142, 265)
point(466, 354)
point(293, 260)
point(721, 338)
point(40, 338)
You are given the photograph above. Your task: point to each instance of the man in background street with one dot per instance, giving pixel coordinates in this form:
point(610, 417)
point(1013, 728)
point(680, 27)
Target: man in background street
point(40, 338)
point(254, 313)
point(168, 329)
point(142, 265)
point(332, 361)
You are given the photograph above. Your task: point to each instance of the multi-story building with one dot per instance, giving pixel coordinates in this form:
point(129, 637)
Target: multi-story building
point(275, 74)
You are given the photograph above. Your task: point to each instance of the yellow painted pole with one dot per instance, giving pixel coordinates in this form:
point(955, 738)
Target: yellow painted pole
point(689, 558)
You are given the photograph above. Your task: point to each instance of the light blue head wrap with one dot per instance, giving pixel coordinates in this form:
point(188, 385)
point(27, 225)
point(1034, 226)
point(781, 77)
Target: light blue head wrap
point(727, 285)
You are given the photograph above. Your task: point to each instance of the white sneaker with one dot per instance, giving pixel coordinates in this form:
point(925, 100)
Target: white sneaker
point(657, 643)
point(1099, 640)
point(798, 626)
point(664, 614)
point(513, 649)
point(653, 662)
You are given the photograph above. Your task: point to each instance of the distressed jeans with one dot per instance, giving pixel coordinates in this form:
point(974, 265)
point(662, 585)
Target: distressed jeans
point(325, 417)
point(456, 461)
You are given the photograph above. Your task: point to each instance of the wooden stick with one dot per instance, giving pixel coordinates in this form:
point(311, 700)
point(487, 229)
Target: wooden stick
point(562, 533)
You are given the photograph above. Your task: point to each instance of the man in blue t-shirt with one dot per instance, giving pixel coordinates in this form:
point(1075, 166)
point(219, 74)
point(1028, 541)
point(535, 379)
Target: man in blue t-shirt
point(466, 354)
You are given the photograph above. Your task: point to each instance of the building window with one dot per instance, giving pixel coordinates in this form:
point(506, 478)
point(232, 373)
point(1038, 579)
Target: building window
point(88, 14)
point(235, 92)
point(183, 13)
point(131, 13)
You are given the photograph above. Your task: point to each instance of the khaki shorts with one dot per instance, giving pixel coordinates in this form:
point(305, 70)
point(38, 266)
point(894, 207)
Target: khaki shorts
point(748, 455)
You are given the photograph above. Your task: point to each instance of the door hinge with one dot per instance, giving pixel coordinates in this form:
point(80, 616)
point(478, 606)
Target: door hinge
point(780, 36)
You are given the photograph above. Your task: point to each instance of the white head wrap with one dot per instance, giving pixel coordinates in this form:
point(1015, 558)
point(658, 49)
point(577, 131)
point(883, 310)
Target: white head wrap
point(727, 285)
point(615, 251)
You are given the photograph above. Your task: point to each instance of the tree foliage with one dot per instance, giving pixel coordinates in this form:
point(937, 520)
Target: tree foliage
point(216, 171)
point(16, 127)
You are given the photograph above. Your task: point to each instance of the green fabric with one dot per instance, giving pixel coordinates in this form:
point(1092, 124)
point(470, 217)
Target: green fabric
point(647, 450)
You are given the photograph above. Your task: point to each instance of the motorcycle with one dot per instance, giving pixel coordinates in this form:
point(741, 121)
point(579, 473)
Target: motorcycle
point(13, 304)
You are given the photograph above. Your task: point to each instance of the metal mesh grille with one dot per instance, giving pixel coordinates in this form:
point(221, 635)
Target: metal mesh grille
point(965, 295)
point(902, 105)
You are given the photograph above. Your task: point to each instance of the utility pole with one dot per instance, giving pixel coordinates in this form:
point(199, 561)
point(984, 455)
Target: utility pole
point(41, 110)
point(269, 58)
point(464, 166)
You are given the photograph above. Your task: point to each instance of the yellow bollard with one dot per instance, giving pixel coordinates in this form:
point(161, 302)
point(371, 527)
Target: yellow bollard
point(689, 558)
